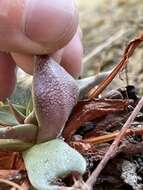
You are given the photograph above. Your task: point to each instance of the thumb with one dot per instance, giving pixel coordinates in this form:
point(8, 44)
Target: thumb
point(36, 26)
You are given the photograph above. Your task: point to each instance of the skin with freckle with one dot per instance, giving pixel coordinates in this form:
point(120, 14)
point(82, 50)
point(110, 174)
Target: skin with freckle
point(55, 93)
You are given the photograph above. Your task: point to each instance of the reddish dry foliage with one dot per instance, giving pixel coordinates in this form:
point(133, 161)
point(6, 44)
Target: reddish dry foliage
point(88, 110)
point(11, 165)
point(11, 160)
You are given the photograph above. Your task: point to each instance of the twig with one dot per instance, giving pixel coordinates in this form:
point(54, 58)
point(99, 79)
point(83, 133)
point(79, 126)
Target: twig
point(110, 137)
point(10, 183)
point(113, 148)
point(103, 45)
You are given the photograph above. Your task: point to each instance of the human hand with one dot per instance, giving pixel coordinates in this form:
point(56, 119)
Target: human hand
point(34, 27)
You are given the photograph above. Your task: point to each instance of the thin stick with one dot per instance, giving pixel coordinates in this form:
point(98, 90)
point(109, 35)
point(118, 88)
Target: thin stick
point(10, 183)
point(103, 45)
point(114, 146)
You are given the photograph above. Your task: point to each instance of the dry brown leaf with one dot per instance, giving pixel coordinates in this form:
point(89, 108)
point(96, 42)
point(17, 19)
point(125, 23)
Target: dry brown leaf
point(88, 110)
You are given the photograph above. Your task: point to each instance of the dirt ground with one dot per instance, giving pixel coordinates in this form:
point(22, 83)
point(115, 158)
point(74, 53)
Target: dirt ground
point(104, 20)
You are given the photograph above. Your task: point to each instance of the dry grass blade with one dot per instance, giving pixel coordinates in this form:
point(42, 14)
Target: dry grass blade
point(78, 185)
point(113, 148)
point(88, 110)
point(110, 137)
point(93, 93)
point(10, 183)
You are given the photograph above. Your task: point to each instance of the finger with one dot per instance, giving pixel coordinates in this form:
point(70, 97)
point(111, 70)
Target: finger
point(57, 56)
point(36, 27)
point(72, 56)
point(7, 75)
point(24, 61)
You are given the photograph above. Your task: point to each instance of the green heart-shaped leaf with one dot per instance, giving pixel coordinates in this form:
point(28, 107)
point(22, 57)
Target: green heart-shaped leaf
point(47, 161)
